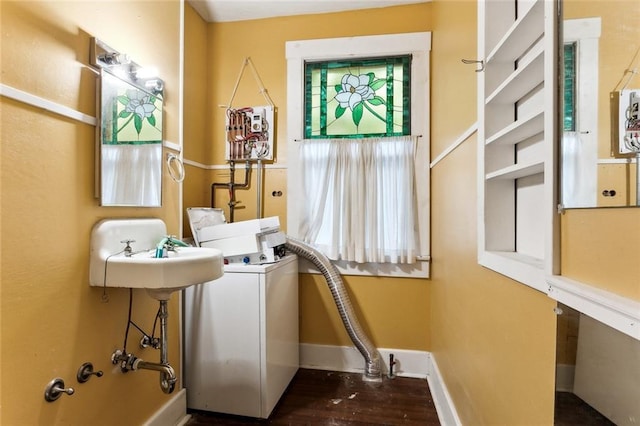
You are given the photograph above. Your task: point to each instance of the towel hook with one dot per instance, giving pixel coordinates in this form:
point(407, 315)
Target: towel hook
point(474, 61)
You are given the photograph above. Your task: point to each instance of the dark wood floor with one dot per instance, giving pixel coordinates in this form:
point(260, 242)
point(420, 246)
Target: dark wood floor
point(572, 411)
point(317, 397)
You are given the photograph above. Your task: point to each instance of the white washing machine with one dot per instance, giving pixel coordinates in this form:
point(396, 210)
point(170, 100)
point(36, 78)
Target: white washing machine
point(241, 338)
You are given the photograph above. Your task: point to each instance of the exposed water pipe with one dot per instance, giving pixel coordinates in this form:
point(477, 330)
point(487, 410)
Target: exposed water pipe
point(232, 186)
point(129, 361)
point(372, 370)
point(259, 190)
point(638, 178)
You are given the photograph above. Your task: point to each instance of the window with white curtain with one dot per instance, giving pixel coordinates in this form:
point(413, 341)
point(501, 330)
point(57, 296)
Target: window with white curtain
point(359, 189)
point(359, 201)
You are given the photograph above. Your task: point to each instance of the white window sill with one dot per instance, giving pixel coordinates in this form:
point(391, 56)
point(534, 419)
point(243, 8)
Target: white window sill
point(420, 269)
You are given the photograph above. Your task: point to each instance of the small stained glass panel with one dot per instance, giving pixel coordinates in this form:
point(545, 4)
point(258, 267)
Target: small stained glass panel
point(569, 97)
point(358, 98)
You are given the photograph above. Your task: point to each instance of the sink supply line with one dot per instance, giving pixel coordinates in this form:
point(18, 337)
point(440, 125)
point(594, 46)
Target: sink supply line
point(129, 362)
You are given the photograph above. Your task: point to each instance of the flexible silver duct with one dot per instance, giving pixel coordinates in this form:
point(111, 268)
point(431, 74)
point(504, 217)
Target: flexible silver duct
point(372, 369)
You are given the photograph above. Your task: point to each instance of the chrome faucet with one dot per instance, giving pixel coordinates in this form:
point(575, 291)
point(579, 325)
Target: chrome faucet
point(128, 250)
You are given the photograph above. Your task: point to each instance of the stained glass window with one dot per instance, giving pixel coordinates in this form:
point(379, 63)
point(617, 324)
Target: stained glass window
point(358, 98)
point(569, 87)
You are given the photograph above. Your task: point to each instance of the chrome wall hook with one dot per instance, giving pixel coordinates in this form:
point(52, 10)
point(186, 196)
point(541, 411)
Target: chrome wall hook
point(86, 371)
point(474, 61)
point(55, 388)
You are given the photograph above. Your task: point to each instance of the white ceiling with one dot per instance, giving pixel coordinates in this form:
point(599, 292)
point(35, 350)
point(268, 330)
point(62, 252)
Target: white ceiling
point(240, 10)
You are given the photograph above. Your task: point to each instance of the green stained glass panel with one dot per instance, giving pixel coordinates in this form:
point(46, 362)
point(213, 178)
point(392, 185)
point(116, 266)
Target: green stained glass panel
point(358, 98)
point(569, 98)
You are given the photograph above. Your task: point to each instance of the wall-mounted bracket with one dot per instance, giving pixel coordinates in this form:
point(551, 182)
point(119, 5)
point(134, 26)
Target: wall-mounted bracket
point(55, 388)
point(86, 371)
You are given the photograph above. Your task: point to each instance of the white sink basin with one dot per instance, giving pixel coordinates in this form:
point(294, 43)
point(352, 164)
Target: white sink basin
point(110, 267)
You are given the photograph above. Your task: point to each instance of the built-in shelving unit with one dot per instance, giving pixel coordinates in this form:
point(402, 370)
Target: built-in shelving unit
point(516, 127)
point(519, 130)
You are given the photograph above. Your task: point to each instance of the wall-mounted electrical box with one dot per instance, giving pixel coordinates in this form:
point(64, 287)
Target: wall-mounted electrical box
point(249, 133)
point(625, 123)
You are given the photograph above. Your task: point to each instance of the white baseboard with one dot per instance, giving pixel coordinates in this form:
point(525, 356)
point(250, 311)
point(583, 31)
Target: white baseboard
point(408, 363)
point(417, 364)
point(447, 413)
point(565, 375)
point(172, 413)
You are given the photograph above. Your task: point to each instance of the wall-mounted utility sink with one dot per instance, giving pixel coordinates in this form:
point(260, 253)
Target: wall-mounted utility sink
point(112, 266)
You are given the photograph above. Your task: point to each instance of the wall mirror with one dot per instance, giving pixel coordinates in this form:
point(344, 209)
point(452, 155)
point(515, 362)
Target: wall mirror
point(130, 135)
point(597, 374)
point(600, 60)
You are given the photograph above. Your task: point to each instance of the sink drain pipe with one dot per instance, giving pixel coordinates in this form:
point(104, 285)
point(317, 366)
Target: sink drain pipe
point(372, 371)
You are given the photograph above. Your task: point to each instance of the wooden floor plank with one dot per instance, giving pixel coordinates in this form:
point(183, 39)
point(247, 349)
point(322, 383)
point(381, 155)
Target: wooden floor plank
point(318, 397)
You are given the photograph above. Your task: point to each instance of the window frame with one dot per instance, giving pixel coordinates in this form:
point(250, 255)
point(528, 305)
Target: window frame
point(419, 46)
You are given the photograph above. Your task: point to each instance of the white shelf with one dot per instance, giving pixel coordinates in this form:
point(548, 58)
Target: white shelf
point(519, 130)
point(525, 269)
point(616, 311)
point(517, 171)
point(528, 76)
point(518, 82)
point(522, 34)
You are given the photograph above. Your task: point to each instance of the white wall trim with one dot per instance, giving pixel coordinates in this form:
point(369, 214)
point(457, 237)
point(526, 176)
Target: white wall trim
point(226, 166)
point(577, 29)
point(565, 374)
point(447, 413)
point(59, 109)
point(410, 363)
point(463, 137)
point(617, 160)
point(47, 105)
point(172, 145)
point(172, 413)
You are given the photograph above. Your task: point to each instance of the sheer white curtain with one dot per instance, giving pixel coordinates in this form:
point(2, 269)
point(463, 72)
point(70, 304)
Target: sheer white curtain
point(359, 201)
point(132, 175)
point(579, 171)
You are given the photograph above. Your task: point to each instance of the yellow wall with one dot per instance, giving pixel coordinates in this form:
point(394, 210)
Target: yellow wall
point(52, 320)
point(492, 338)
point(197, 112)
point(395, 312)
point(486, 332)
point(600, 247)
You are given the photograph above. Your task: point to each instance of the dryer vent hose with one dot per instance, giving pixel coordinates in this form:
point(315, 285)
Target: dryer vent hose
point(372, 369)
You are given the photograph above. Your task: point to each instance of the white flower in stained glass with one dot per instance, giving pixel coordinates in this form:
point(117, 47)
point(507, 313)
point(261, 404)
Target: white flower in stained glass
point(356, 92)
point(139, 103)
point(138, 106)
point(355, 89)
